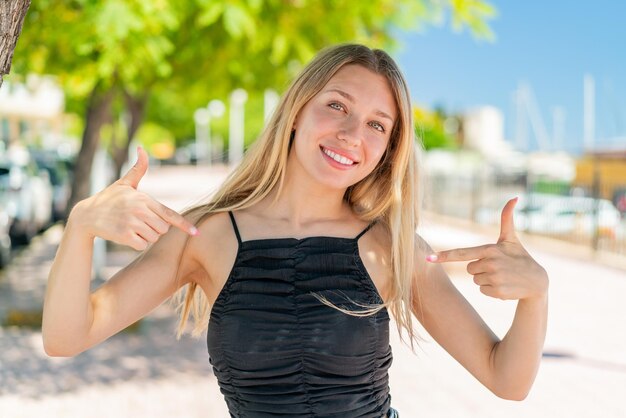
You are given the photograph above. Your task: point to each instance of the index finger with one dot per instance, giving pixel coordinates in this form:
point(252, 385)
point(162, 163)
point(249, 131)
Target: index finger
point(174, 218)
point(459, 254)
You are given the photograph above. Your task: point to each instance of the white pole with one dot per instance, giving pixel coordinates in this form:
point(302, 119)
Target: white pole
point(534, 116)
point(270, 101)
point(201, 118)
point(99, 181)
point(236, 129)
point(589, 112)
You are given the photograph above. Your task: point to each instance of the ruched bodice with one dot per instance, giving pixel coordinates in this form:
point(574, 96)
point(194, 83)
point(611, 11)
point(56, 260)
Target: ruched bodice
point(277, 351)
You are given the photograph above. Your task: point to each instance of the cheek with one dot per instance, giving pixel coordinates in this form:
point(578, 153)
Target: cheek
point(316, 117)
point(302, 146)
point(376, 149)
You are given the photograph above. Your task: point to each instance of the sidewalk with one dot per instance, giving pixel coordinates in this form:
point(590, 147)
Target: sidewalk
point(149, 373)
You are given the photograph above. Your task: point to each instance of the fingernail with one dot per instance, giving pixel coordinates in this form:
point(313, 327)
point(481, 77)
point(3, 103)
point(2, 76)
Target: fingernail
point(194, 231)
point(432, 257)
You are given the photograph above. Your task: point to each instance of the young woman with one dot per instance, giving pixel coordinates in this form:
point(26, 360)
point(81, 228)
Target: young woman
point(293, 264)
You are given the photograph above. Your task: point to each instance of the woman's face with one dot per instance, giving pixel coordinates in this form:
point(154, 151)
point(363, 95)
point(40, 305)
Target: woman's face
point(343, 131)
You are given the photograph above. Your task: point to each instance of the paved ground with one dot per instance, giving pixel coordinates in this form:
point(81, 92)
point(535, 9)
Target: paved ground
point(150, 374)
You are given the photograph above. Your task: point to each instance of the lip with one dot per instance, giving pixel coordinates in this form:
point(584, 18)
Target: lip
point(341, 152)
point(336, 164)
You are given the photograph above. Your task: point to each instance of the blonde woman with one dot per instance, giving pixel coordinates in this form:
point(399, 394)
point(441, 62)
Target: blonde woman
point(295, 263)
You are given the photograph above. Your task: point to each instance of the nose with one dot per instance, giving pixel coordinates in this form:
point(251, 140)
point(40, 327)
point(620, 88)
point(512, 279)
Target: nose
point(350, 132)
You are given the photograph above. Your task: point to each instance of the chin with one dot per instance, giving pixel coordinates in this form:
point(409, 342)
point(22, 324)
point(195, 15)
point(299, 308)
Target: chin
point(341, 185)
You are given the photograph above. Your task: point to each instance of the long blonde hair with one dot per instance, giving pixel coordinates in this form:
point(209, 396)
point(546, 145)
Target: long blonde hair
point(390, 194)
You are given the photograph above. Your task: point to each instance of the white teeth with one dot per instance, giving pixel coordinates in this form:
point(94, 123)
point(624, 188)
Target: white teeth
point(337, 157)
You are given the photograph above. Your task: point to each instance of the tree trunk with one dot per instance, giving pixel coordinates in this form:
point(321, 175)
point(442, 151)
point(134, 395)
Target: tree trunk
point(12, 15)
point(135, 107)
point(97, 115)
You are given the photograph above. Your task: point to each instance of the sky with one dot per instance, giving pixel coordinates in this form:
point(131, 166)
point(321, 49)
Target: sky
point(549, 46)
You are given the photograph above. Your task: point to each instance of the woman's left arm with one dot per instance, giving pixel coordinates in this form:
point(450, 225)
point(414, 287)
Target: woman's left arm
point(506, 271)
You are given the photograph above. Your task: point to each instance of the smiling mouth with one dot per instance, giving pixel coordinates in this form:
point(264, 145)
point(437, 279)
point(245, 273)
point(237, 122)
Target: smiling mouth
point(338, 158)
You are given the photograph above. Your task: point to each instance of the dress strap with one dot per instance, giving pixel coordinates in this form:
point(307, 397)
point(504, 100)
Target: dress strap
point(232, 218)
point(365, 230)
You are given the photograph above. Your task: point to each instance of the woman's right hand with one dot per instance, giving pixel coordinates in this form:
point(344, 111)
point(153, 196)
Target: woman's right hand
point(126, 216)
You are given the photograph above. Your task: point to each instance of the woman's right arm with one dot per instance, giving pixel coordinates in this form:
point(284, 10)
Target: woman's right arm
point(75, 319)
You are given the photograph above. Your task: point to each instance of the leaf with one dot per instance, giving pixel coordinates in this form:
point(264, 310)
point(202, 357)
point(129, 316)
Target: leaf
point(210, 15)
point(255, 5)
point(183, 55)
point(238, 21)
point(115, 20)
point(280, 48)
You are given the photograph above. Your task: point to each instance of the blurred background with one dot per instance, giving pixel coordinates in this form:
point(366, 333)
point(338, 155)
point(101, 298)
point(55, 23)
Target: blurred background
point(510, 99)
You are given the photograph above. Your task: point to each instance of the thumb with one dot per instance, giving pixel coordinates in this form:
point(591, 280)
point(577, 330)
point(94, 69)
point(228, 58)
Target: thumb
point(135, 174)
point(507, 227)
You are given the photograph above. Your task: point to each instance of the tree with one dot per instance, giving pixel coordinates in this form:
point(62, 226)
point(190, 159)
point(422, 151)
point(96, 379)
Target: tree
point(119, 53)
point(431, 128)
point(11, 19)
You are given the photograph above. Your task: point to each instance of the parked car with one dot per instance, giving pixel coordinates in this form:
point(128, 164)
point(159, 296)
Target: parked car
point(562, 215)
point(5, 225)
point(28, 194)
point(574, 214)
point(60, 178)
point(619, 199)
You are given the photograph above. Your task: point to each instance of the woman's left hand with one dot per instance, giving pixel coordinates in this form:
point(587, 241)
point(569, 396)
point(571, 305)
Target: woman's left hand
point(503, 270)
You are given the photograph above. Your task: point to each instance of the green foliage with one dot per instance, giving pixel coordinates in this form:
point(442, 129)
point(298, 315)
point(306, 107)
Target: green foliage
point(557, 187)
point(91, 42)
point(473, 14)
point(254, 120)
point(185, 53)
point(158, 140)
point(430, 129)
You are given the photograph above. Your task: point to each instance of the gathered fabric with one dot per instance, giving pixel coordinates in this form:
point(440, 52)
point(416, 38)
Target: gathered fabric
point(276, 350)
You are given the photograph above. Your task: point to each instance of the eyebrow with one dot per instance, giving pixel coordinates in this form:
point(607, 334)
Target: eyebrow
point(351, 98)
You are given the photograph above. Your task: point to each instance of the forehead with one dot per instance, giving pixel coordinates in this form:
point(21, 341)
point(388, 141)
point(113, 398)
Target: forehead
point(366, 86)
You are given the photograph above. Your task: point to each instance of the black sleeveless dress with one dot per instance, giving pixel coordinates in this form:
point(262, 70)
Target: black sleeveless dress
point(277, 351)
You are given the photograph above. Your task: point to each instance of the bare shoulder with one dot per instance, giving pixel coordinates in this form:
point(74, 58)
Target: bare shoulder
point(422, 248)
point(214, 250)
point(375, 252)
point(212, 226)
point(172, 254)
point(426, 274)
point(433, 285)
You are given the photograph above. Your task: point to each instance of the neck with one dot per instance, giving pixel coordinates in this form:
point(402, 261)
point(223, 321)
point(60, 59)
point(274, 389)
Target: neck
point(302, 202)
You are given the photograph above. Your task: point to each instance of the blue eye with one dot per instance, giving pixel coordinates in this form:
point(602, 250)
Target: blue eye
point(380, 127)
point(340, 106)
